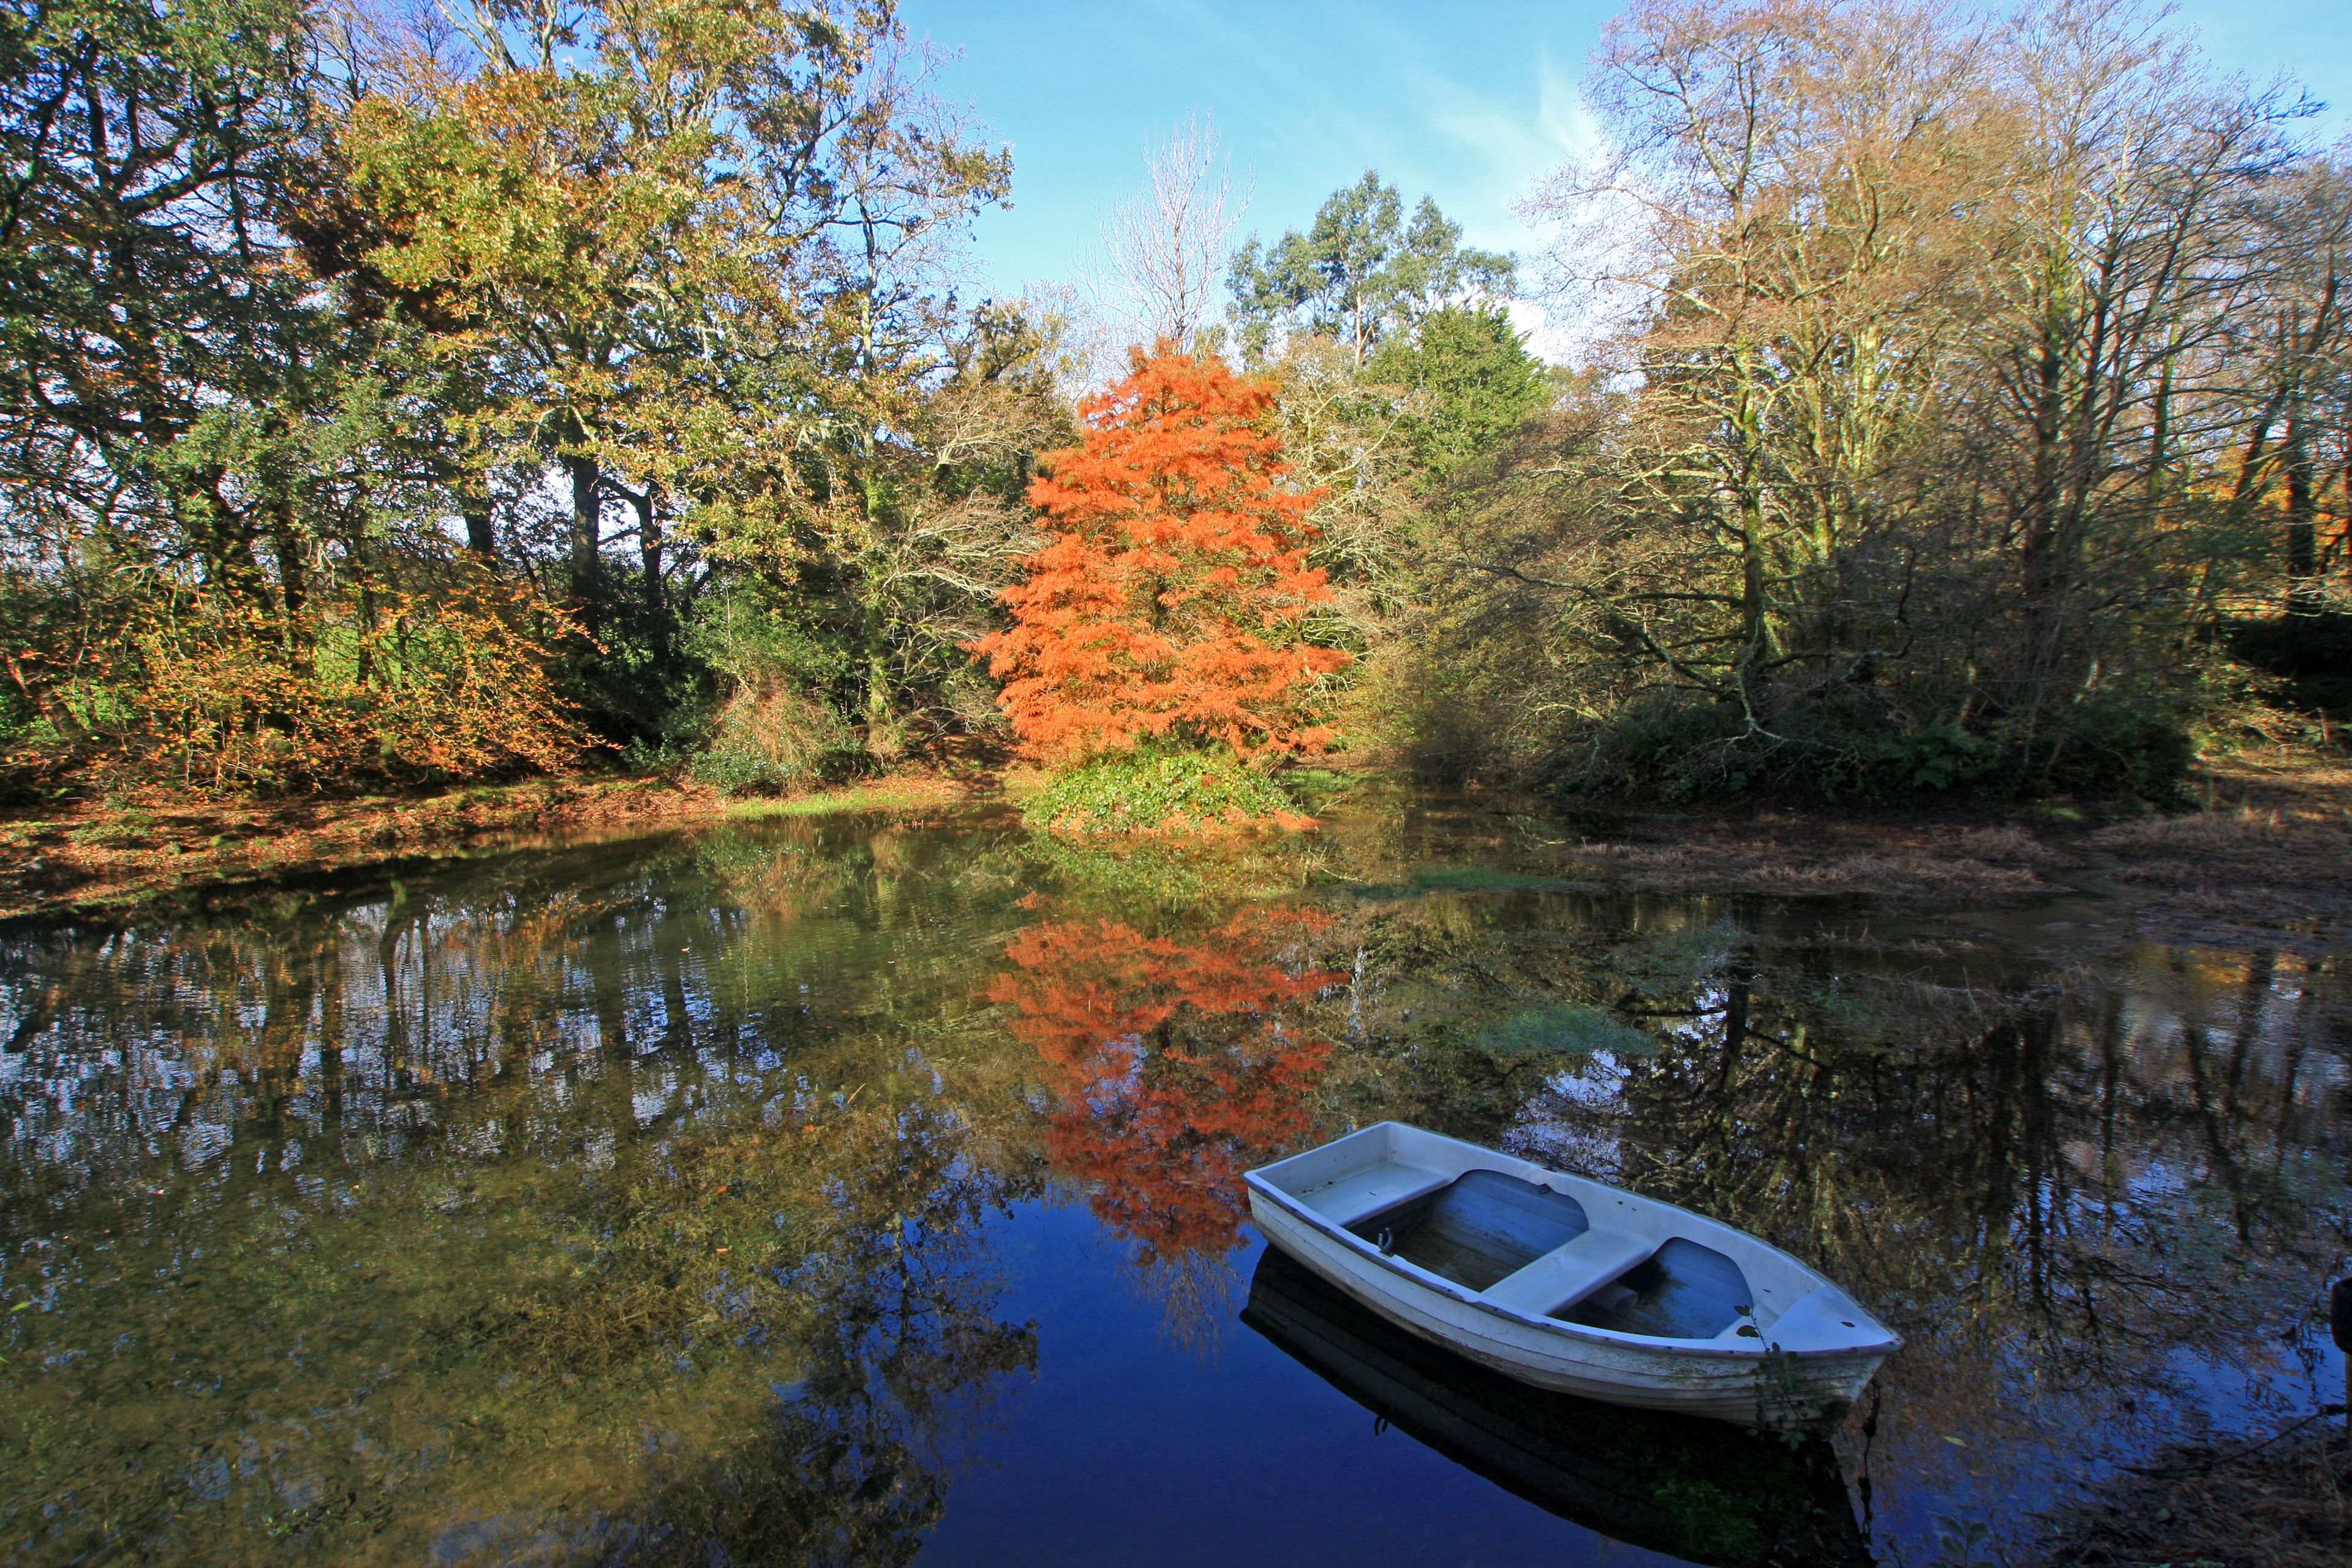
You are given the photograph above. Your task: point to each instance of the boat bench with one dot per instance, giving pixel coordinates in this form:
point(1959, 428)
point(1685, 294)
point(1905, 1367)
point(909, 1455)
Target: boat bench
point(1566, 1275)
point(1826, 1319)
point(1372, 1189)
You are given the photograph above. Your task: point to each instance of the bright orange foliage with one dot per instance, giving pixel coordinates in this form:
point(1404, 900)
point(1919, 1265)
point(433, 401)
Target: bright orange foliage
point(1177, 1065)
point(1173, 598)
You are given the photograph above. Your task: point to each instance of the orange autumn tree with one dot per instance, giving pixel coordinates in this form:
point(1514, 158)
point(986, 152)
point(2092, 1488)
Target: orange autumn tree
point(1173, 601)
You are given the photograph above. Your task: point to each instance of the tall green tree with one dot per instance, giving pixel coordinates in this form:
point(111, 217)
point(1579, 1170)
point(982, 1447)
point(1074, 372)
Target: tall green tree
point(1471, 381)
point(143, 286)
point(359, 361)
point(216, 562)
point(1361, 273)
point(687, 258)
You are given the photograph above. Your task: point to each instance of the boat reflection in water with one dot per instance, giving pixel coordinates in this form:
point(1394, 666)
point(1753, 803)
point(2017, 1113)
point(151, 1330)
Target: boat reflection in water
point(1699, 1490)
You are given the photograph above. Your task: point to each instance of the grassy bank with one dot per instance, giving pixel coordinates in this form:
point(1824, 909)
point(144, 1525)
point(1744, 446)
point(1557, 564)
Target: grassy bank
point(118, 856)
point(910, 793)
point(2267, 860)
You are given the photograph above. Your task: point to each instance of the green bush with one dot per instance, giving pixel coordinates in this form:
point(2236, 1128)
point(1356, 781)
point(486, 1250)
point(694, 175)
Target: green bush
point(1936, 758)
point(2116, 746)
point(753, 637)
point(1147, 790)
point(772, 742)
point(1838, 742)
point(772, 720)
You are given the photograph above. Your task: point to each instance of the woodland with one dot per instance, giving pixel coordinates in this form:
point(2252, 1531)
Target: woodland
point(389, 398)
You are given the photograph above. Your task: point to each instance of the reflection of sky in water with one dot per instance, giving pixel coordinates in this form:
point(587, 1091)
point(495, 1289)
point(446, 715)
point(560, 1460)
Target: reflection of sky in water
point(592, 1199)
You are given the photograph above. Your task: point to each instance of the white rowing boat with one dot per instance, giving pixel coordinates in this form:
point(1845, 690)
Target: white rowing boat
point(1566, 1283)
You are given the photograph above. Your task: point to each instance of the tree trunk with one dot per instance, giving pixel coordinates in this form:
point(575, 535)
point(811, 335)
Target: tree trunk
point(474, 504)
point(225, 542)
point(649, 549)
point(1756, 645)
point(2302, 519)
point(587, 535)
point(649, 559)
point(293, 583)
point(2045, 570)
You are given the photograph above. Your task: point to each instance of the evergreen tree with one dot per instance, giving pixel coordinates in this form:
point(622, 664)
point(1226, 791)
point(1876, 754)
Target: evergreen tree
point(1473, 380)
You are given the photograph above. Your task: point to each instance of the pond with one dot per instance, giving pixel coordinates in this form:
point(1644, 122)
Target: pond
point(865, 1190)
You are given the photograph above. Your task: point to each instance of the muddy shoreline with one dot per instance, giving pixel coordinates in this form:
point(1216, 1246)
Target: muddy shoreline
point(2264, 862)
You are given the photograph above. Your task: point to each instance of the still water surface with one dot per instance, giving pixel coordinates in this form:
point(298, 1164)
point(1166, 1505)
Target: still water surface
point(858, 1191)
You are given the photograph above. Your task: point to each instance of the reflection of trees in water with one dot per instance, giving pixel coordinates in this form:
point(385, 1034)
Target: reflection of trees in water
point(2091, 1205)
point(599, 980)
point(576, 1137)
point(2064, 1164)
point(1175, 1064)
point(517, 1115)
point(895, 1348)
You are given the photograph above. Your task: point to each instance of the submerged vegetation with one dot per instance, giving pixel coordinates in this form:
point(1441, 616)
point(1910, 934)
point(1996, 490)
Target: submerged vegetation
point(393, 397)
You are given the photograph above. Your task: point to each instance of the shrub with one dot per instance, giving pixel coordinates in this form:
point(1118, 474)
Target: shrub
point(1834, 741)
point(444, 682)
point(767, 741)
point(775, 726)
point(1153, 790)
point(2115, 745)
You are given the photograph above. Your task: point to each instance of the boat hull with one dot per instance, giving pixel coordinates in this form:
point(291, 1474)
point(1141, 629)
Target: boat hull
point(1750, 1386)
point(1621, 1473)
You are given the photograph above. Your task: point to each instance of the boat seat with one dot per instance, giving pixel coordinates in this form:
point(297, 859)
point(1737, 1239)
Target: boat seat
point(1566, 1275)
point(1826, 1320)
point(1372, 1189)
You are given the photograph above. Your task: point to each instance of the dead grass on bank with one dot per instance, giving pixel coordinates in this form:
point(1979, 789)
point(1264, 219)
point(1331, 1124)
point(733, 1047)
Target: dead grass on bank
point(2272, 853)
point(2268, 859)
point(2286, 1503)
point(1913, 863)
point(115, 855)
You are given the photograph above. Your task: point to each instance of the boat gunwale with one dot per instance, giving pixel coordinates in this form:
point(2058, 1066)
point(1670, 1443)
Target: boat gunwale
point(1296, 1208)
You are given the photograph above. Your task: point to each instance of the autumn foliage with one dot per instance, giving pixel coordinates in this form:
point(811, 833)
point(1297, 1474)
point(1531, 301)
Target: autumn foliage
point(1173, 601)
point(451, 679)
point(1175, 1065)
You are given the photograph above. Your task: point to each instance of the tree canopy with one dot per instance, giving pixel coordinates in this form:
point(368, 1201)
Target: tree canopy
point(1361, 273)
point(383, 353)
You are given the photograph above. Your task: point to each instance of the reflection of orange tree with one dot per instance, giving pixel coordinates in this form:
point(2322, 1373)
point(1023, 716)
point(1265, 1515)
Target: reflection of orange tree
point(1177, 1065)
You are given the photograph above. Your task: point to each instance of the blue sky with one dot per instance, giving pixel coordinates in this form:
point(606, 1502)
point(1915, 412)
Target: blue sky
point(1467, 102)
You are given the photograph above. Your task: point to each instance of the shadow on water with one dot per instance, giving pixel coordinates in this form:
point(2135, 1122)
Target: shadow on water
point(1701, 1490)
